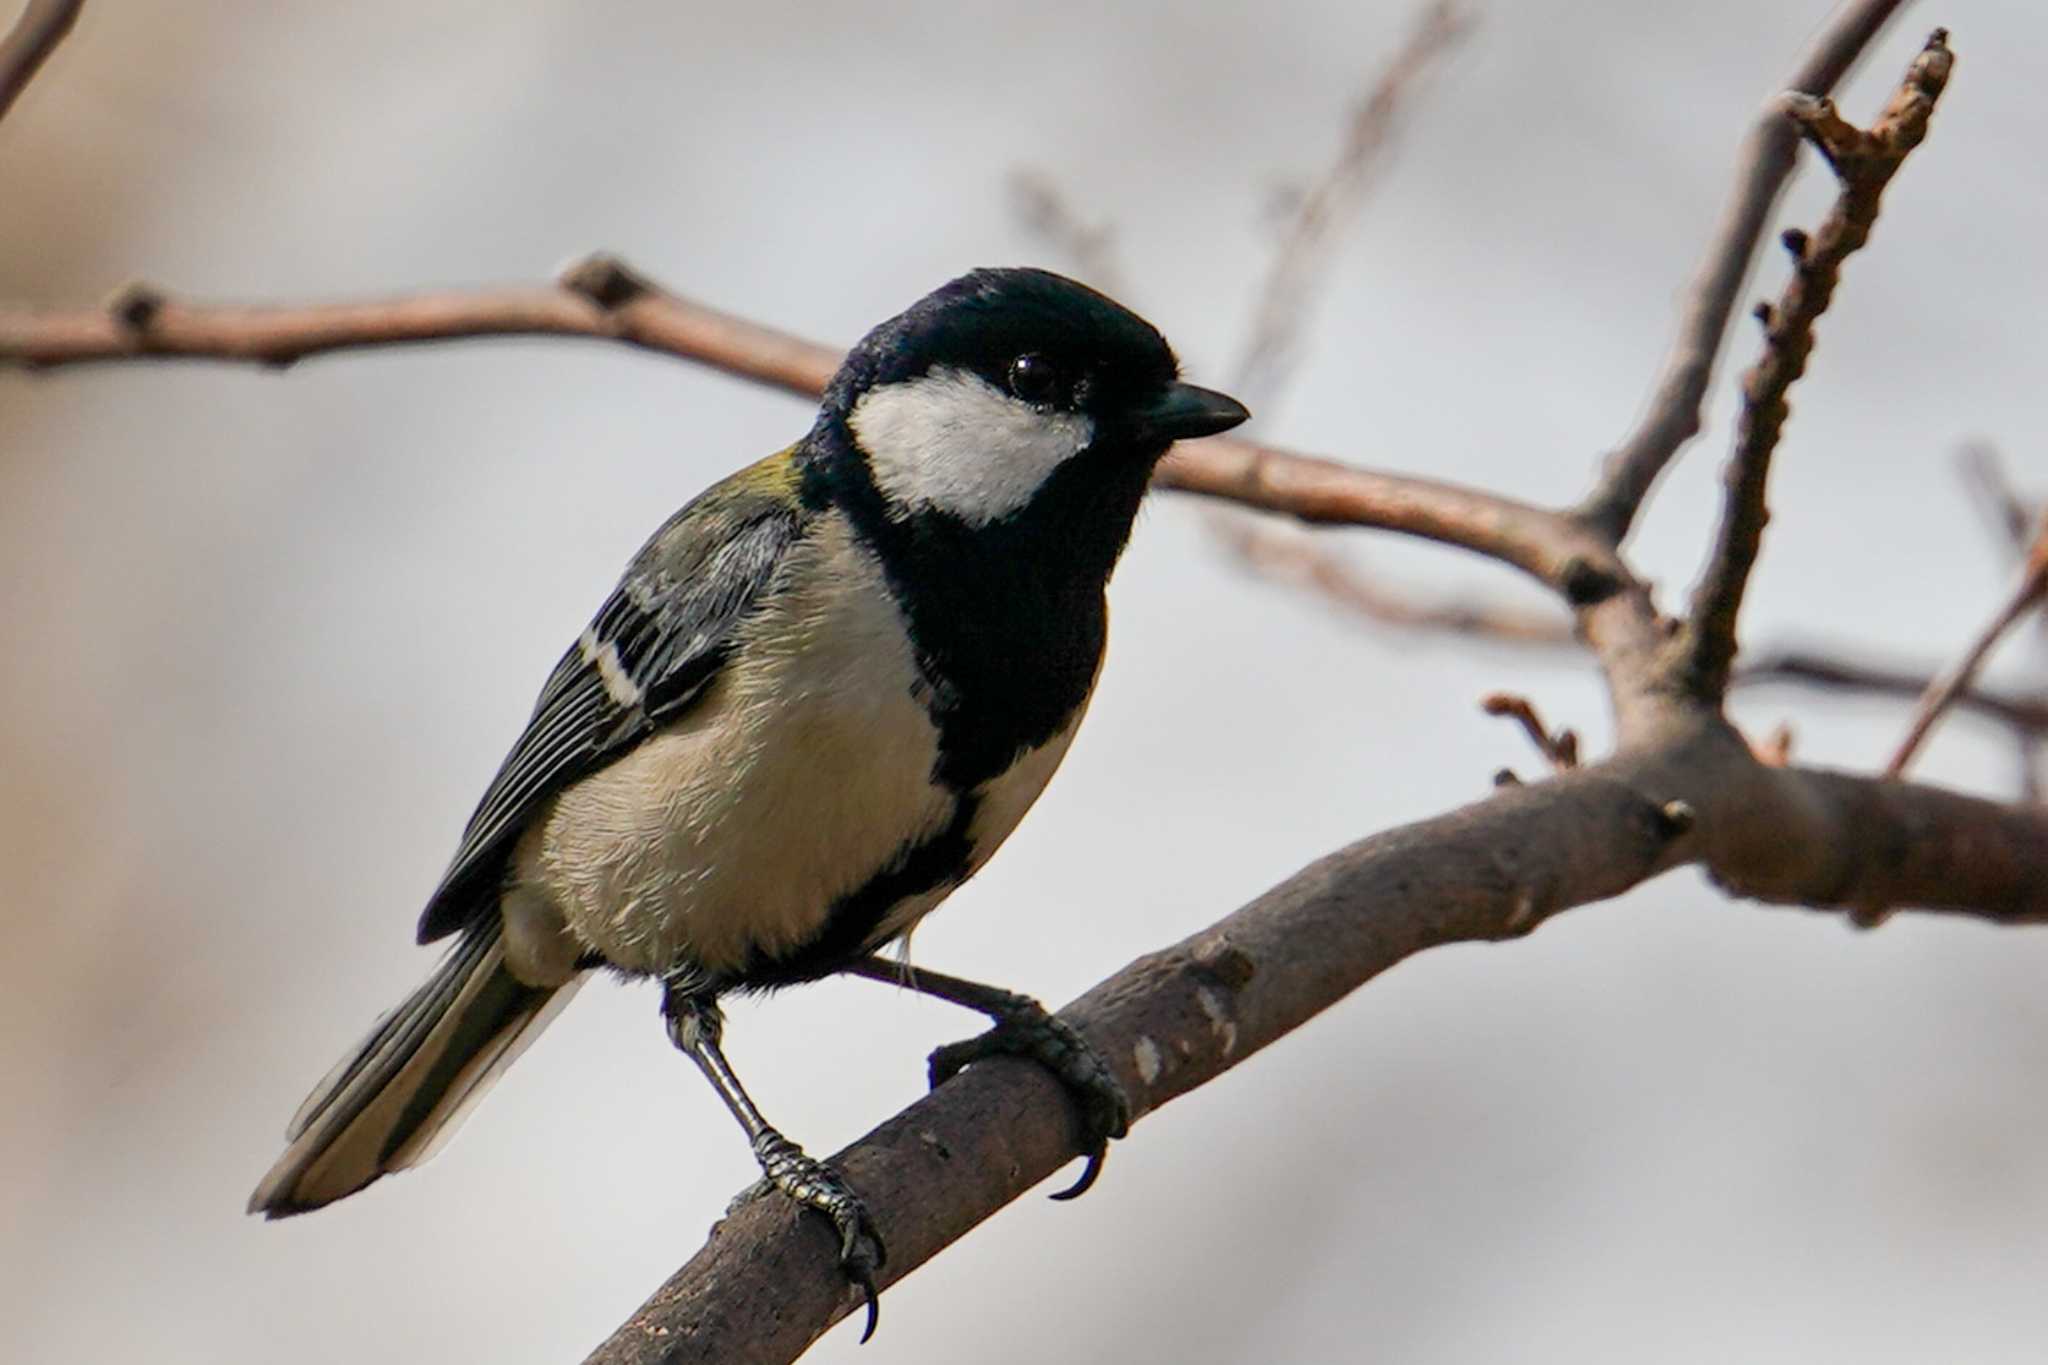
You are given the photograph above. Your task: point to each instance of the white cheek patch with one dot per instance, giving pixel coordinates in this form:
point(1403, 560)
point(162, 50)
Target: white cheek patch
point(950, 440)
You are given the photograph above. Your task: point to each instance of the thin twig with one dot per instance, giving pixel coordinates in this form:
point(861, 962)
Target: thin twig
point(597, 298)
point(1290, 555)
point(2013, 518)
point(1285, 301)
point(1281, 314)
point(1768, 155)
point(1775, 749)
point(1864, 163)
point(2023, 714)
point(1942, 693)
point(1560, 748)
point(1043, 209)
point(35, 35)
point(2009, 514)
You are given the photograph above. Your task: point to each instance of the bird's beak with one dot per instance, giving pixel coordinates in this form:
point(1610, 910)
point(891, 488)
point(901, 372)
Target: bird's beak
point(1183, 412)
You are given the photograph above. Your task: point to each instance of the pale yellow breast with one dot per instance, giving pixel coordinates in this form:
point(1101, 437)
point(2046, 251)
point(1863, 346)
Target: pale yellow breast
point(803, 770)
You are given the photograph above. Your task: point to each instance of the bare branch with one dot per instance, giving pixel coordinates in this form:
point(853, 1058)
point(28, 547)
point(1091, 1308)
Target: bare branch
point(1045, 211)
point(1304, 251)
point(1864, 163)
point(1616, 616)
point(765, 1286)
point(1288, 554)
point(2013, 519)
point(1324, 492)
point(600, 299)
point(1766, 162)
point(1942, 693)
point(43, 24)
point(597, 298)
point(2004, 508)
point(2024, 715)
point(1329, 207)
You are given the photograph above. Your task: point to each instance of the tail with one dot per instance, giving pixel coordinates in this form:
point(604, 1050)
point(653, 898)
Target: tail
point(398, 1097)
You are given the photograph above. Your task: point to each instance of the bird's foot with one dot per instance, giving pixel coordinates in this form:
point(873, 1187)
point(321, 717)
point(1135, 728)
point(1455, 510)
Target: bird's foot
point(814, 1185)
point(1024, 1028)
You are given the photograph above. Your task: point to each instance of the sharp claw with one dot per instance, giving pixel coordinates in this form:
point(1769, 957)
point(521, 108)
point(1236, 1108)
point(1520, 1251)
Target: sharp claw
point(813, 1185)
point(860, 1256)
point(867, 1288)
point(1087, 1180)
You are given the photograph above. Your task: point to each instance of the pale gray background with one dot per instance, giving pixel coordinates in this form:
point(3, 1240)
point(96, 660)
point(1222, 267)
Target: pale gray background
point(267, 635)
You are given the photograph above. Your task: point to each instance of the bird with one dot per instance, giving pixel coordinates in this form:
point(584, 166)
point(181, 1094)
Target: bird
point(820, 697)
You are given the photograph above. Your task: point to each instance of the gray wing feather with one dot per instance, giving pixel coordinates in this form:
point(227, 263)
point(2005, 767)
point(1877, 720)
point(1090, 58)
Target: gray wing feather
point(651, 650)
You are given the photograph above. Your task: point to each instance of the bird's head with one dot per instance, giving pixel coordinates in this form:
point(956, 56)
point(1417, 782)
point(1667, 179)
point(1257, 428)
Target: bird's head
point(1014, 395)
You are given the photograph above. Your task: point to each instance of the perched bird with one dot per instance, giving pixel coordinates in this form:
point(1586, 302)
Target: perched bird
point(819, 699)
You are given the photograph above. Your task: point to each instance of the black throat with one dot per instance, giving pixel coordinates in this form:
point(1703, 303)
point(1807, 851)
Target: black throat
point(1008, 619)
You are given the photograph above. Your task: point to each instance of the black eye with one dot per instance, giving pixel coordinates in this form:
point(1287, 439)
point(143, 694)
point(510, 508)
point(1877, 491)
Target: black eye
point(1033, 378)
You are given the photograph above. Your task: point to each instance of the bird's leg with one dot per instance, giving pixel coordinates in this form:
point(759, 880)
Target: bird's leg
point(695, 1025)
point(1023, 1028)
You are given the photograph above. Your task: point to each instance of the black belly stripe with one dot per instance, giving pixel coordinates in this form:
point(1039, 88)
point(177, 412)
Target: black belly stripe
point(939, 861)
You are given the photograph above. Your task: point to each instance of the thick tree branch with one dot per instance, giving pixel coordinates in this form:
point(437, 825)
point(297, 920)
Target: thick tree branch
point(763, 1287)
point(43, 24)
point(1766, 162)
point(1864, 163)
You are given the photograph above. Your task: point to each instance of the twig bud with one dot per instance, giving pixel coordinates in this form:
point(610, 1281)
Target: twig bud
point(135, 305)
point(605, 280)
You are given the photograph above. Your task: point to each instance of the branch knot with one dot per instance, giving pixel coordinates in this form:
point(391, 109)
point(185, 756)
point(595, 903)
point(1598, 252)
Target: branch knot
point(605, 280)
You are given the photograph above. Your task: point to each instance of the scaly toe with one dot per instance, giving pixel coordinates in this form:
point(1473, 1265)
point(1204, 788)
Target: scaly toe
point(1056, 1045)
point(816, 1186)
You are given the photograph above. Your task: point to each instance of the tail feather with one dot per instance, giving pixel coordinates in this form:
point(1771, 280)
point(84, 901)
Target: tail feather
point(402, 1093)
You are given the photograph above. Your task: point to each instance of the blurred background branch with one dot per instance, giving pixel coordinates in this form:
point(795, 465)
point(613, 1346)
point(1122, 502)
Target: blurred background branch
point(42, 25)
point(1324, 212)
